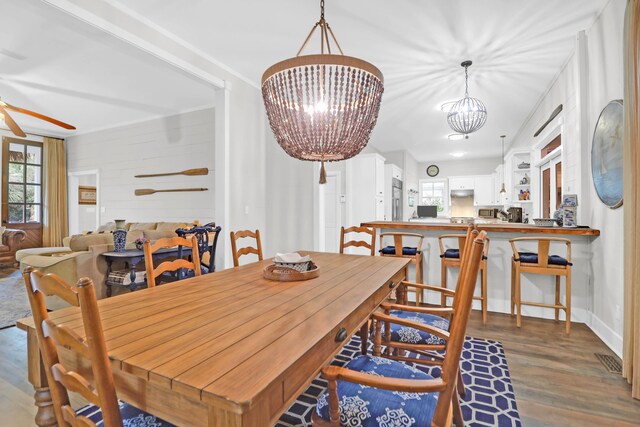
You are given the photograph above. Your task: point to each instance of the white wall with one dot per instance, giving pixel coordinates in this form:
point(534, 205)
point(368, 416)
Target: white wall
point(590, 79)
point(460, 167)
point(86, 213)
point(168, 144)
point(605, 61)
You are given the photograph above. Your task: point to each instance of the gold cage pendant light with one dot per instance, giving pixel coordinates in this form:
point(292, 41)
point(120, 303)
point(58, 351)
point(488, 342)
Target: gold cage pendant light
point(322, 107)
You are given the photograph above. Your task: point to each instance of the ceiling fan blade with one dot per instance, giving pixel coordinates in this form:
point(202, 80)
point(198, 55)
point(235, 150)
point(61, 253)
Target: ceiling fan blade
point(39, 116)
point(12, 124)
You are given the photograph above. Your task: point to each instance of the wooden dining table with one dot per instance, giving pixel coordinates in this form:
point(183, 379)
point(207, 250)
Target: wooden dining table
point(228, 348)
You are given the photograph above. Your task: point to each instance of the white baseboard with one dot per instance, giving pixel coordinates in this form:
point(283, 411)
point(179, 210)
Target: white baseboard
point(606, 334)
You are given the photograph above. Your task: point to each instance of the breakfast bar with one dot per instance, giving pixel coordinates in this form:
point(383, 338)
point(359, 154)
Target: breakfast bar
point(534, 287)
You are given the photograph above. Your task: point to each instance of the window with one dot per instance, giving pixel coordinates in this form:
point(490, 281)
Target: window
point(547, 149)
point(434, 192)
point(22, 169)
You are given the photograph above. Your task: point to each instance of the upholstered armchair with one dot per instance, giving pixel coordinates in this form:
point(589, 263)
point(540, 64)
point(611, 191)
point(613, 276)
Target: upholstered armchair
point(11, 241)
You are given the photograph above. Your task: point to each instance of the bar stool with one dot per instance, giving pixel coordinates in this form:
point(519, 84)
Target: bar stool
point(451, 258)
point(541, 263)
point(400, 250)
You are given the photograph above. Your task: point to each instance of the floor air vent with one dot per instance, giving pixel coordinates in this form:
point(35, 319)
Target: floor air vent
point(612, 363)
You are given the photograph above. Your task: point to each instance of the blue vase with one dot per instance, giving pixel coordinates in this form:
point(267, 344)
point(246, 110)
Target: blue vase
point(119, 240)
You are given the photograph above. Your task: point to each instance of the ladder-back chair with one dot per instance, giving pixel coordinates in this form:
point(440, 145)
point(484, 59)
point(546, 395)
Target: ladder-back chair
point(173, 265)
point(380, 386)
point(371, 245)
point(237, 253)
point(50, 334)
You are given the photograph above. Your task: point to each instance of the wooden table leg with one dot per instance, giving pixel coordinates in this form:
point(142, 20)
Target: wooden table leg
point(364, 338)
point(45, 416)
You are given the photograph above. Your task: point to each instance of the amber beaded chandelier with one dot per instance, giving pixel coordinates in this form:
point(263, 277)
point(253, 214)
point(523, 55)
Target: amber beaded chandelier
point(322, 107)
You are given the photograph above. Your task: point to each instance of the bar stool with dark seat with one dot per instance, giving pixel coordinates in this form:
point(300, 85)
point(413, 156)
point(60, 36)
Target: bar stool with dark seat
point(541, 262)
point(414, 253)
point(450, 257)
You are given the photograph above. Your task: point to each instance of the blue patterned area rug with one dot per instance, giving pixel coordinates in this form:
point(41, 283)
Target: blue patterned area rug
point(489, 399)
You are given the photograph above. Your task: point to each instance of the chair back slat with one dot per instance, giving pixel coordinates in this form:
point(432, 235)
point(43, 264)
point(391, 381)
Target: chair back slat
point(52, 334)
point(76, 383)
point(153, 272)
point(464, 295)
point(237, 253)
point(371, 245)
point(54, 285)
point(65, 337)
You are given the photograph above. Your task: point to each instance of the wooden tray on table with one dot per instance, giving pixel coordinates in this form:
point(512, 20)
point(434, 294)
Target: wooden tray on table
point(286, 274)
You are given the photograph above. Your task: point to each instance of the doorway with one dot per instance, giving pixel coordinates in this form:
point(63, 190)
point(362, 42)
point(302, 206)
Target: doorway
point(330, 213)
point(84, 201)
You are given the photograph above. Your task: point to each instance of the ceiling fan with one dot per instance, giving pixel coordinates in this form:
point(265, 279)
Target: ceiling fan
point(14, 126)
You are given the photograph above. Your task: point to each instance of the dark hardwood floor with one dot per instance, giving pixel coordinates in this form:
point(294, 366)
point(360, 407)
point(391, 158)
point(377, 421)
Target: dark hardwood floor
point(557, 379)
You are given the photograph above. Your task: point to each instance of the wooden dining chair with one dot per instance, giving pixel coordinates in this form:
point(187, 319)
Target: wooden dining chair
point(450, 257)
point(99, 389)
point(172, 265)
point(540, 262)
point(237, 253)
point(207, 236)
point(399, 249)
point(371, 245)
point(383, 388)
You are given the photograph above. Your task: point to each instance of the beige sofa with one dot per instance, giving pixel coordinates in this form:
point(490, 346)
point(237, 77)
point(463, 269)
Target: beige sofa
point(80, 257)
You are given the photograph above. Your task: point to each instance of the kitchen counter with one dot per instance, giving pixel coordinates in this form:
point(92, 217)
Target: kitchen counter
point(535, 287)
point(507, 227)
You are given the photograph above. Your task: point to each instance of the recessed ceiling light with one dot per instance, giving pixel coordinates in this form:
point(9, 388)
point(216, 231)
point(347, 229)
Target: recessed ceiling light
point(458, 153)
point(457, 136)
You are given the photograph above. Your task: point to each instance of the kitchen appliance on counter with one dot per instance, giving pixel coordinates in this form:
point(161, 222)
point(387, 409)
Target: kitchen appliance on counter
point(515, 214)
point(396, 199)
point(488, 213)
point(427, 211)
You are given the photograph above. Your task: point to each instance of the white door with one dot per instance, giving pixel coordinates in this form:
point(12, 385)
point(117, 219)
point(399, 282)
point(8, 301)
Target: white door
point(331, 213)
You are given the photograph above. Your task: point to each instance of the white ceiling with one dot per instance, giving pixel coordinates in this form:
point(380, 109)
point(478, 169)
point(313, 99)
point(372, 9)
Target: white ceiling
point(62, 67)
point(517, 47)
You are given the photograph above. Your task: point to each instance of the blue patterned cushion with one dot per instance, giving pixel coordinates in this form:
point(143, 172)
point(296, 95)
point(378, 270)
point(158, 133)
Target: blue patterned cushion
point(373, 407)
point(391, 250)
point(409, 335)
point(131, 416)
point(532, 258)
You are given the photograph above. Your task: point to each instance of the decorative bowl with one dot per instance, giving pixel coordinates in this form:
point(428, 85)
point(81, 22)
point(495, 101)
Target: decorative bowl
point(544, 222)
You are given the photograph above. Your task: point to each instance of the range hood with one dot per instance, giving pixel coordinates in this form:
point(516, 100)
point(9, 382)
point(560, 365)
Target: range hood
point(461, 193)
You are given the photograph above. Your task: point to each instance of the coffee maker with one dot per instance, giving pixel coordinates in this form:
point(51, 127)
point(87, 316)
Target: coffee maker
point(515, 214)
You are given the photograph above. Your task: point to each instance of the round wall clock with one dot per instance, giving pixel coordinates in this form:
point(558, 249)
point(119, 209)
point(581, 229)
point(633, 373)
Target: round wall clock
point(433, 170)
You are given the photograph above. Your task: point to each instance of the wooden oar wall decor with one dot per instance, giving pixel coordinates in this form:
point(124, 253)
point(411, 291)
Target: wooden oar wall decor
point(148, 191)
point(188, 172)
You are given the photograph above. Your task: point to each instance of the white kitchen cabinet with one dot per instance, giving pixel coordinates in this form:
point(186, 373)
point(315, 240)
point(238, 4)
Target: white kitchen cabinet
point(483, 190)
point(365, 189)
point(461, 183)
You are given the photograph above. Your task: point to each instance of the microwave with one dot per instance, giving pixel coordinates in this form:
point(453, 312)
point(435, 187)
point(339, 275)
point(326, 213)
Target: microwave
point(488, 212)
